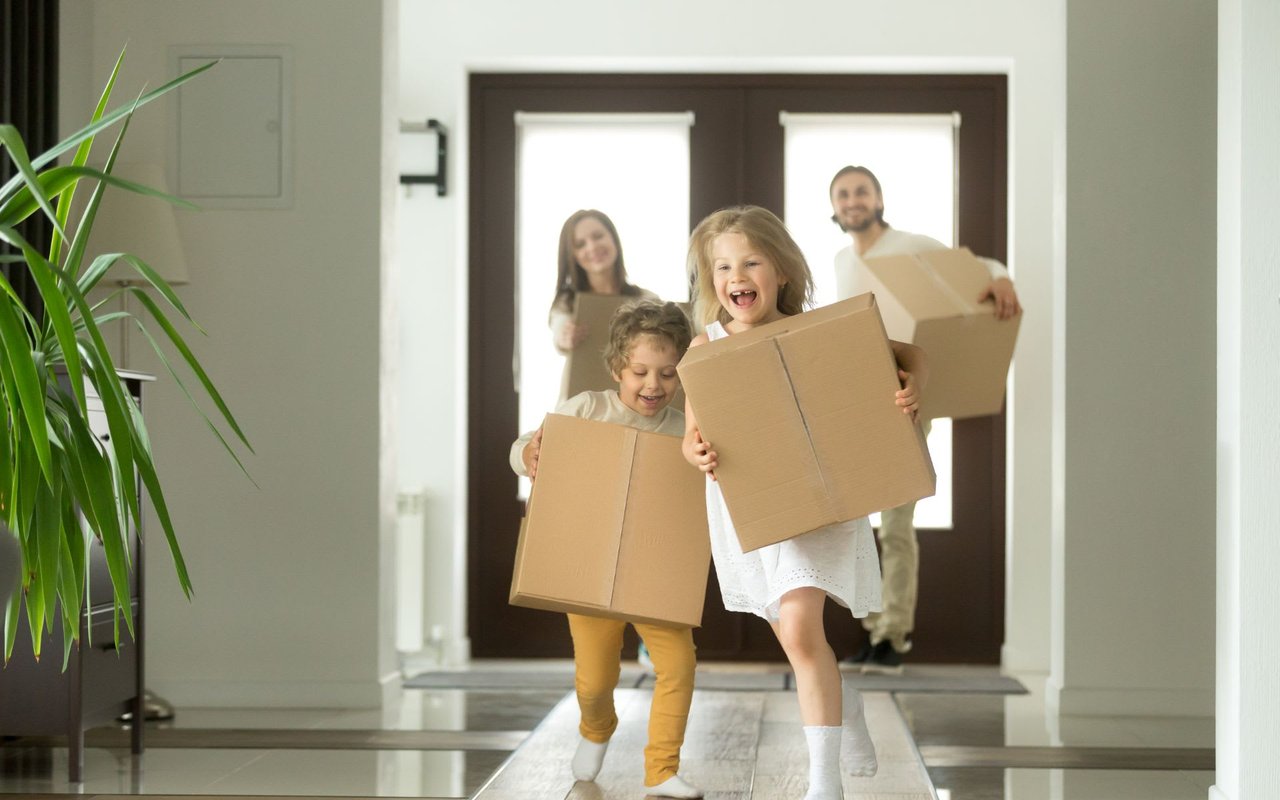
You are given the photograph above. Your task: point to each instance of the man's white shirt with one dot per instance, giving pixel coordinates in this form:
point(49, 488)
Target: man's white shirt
point(853, 278)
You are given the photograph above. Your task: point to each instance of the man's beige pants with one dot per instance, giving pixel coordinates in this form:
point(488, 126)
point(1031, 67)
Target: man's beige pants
point(899, 571)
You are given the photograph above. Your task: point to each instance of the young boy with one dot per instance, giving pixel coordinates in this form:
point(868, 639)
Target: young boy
point(646, 341)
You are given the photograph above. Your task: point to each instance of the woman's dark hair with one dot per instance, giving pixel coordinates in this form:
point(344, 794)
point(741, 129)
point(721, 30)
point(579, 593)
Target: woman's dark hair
point(874, 182)
point(571, 278)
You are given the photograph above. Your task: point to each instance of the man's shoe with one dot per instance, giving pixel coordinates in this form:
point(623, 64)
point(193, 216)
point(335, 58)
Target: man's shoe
point(884, 659)
point(859, 658)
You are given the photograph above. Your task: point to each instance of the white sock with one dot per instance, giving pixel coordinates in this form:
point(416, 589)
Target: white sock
point(824, 762)
point(587, 759)
point(862, 762)
point(675, 786)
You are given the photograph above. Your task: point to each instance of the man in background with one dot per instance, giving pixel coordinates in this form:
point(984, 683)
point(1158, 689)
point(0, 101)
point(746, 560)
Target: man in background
point(857, 205)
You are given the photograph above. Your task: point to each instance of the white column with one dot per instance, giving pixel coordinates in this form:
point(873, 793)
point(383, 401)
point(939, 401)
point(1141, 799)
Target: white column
point(1133, 588)
point(1248, 382)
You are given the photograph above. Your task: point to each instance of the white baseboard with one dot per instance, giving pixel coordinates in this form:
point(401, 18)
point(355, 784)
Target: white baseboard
point(1217, 794)
point(447, 654)
point(1014, 660)
point(1130, 702)
point(273, 694)
point(458, 651)
point(392, 686)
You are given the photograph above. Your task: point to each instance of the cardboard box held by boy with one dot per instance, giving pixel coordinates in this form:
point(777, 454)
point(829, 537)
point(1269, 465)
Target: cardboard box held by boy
point(801, 414)
point(931, 300)
point(616, 526)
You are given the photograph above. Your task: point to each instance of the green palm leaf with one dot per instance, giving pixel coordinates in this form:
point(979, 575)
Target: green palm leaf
point(60, 487)
point(12, 142)
point(92, 129)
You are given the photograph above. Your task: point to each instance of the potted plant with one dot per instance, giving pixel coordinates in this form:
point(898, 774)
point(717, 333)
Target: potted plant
point(59, 486)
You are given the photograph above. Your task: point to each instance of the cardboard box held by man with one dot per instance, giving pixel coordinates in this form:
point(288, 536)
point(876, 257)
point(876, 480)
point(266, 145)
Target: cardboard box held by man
point(930, 299)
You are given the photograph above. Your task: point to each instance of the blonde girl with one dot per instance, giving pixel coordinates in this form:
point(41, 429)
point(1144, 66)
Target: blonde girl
point(749, 272)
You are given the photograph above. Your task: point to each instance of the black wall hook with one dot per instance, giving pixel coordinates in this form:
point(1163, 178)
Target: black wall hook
point(442, 156)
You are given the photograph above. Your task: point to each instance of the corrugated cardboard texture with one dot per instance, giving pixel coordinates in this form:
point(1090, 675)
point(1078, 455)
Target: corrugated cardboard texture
point(665, 549)
point(801, 414)
point(585, 369)
point(930, 300)
point(616, 526)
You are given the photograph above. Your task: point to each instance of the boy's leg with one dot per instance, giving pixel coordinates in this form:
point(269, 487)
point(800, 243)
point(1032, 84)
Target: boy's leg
point(597, 655)
point(673, 657)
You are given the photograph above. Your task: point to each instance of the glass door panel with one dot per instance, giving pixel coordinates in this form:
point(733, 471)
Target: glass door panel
point(634, 168)
point(914, 155)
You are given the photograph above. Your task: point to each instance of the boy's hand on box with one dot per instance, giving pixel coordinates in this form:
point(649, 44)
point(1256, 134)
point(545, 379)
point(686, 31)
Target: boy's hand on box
point(530, 454)
point(908, 397)
point(1005, 298)
point(704, 458)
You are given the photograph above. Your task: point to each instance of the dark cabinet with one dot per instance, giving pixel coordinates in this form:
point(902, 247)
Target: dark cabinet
point(101, 681)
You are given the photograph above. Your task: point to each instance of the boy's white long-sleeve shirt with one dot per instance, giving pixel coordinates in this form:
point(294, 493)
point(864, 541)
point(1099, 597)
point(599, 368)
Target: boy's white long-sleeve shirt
point(853, 278)
point(605, 407)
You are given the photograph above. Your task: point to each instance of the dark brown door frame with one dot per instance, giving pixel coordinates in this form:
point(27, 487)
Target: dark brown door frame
point(736, 155)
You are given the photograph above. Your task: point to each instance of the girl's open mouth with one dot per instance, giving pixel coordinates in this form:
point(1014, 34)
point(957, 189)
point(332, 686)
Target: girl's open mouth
point(742, 299)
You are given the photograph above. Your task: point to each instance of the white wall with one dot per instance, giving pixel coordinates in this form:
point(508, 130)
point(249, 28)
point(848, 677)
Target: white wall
point(287, 607)
point(1248, 644)
point(442, 41)
point(291, 607)
point(1133, 551)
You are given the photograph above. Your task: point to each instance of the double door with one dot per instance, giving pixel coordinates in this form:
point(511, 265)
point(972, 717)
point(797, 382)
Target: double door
point(737, 149)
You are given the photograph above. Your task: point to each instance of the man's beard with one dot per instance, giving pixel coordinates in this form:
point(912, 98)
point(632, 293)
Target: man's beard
point(864, 226)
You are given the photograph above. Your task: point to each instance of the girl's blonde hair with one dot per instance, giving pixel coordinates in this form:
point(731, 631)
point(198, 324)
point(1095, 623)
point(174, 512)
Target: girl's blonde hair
point(645, 318)
point(766, 233)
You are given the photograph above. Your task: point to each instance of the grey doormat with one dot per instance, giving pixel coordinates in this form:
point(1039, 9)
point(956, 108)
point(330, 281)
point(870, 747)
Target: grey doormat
point(936, 679)
point(922, 678)
point(917, 680)
point(710, 678)
point(531, 677)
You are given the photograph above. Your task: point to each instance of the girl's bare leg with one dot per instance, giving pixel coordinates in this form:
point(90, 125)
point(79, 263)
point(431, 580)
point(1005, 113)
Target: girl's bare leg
point(800, 631)
point(802, 636)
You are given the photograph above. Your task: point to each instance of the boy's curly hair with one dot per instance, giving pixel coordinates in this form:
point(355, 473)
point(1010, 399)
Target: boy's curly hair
point(645, 318)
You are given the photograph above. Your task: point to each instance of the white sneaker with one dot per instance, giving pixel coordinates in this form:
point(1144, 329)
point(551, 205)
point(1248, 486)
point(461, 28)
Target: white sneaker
point(675, 786)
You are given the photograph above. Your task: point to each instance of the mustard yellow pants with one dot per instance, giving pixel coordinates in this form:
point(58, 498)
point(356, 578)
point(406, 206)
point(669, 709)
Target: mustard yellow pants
point(597, 655)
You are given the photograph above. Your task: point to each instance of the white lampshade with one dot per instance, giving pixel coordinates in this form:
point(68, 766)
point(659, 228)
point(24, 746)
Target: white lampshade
point(128, 222)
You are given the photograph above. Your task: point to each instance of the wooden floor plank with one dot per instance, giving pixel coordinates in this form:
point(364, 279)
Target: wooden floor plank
point(1130, 758)
point(738, 746)
point(292, 739)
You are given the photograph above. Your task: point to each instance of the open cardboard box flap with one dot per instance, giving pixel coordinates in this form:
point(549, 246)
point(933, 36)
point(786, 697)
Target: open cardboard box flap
point(930, 299)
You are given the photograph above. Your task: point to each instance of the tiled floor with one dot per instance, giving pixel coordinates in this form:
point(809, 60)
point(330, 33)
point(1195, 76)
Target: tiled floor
point(975, 747)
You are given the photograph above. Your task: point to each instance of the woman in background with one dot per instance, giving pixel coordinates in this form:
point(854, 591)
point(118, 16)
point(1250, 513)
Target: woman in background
point(590, 260)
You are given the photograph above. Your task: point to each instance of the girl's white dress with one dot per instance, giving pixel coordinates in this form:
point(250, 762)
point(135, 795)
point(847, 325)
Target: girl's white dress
point(840, 559)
